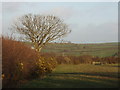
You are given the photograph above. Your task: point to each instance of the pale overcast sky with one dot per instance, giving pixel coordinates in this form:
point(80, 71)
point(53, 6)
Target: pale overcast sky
point(90, 22)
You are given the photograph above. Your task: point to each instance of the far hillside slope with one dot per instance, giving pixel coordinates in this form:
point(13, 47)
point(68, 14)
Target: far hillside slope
point(98, 49)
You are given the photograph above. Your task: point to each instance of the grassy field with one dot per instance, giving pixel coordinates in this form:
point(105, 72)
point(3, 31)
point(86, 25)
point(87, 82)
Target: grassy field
point(78, 76)
point(101, 49)
point(81, 75)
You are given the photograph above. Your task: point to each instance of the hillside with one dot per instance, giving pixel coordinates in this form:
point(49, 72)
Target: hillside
point(101, 49)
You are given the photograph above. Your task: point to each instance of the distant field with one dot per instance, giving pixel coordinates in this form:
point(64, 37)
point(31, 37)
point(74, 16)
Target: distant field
point(78, 76)
point(101, 50)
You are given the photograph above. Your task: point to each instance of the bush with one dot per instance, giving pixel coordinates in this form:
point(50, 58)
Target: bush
point(20, 62)
point(17, 61)
point(49, 62)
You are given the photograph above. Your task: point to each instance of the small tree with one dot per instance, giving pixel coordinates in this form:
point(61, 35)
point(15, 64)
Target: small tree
point(41, 29)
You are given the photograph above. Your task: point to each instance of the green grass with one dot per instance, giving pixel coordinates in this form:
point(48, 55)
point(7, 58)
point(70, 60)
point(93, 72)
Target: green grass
point(78, 76)
point(98, 49)
point(101, 50)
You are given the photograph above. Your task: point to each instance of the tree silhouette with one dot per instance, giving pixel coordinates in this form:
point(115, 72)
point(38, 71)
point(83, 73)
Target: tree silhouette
point(40, 29)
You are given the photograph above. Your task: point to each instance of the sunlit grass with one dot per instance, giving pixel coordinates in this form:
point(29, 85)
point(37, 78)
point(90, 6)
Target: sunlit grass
point(101, 50)
point(87, 68)
point(78, 76)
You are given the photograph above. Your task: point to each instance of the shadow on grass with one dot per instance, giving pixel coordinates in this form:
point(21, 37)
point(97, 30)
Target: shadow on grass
point(115, 66)
point(70, 80)
point(102, 74)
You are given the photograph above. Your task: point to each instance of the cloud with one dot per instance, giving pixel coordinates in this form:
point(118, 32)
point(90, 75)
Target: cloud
point(11, 7)
point(63, 12)
point(94, 33)
point(90, 22)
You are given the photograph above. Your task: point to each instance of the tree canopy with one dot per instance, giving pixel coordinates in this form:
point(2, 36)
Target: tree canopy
point(41, 29)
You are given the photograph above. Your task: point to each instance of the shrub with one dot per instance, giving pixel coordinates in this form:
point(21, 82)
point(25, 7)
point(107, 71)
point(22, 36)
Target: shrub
point(17, 61)
point(49, 62)
point(86, 59)
point(20, 62)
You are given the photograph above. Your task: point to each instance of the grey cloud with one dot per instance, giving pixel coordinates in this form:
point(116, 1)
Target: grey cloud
point(11, 7)
point(94, 33)
point(63, 12)
point(88, 24)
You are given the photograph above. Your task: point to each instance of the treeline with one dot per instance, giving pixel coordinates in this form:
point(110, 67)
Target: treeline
point(85, 59)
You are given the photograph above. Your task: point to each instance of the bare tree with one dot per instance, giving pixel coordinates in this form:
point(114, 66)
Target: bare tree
point(40, 29)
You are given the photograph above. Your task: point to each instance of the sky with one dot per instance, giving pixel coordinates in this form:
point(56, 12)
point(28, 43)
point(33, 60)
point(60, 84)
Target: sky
point(90, 22)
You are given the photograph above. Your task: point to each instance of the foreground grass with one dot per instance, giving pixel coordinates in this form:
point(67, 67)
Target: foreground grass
point(78, 76)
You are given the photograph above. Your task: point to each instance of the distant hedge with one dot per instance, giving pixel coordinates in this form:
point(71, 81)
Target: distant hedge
point(84, 59)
